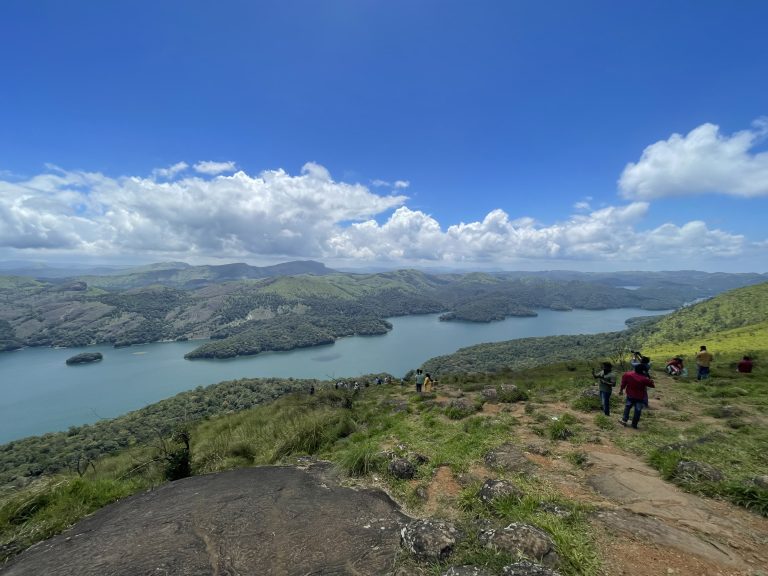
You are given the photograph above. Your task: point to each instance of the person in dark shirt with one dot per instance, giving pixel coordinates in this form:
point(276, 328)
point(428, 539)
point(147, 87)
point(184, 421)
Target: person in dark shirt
point(607, 380)
point(636, 384)
point(745, 366)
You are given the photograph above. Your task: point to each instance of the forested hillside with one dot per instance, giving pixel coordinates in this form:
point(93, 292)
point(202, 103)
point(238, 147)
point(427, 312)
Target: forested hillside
point(736, 320)
point(247, 310)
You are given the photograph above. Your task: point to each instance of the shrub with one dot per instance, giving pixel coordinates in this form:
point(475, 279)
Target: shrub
point(561, 428)
point(510, 395)
point(361, 459)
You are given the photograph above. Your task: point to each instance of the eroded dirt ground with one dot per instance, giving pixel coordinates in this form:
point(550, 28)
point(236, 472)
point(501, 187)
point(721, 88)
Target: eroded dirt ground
point(646, 526)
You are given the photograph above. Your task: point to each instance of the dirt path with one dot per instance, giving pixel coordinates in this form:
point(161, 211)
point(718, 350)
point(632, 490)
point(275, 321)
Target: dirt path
point(646, 526)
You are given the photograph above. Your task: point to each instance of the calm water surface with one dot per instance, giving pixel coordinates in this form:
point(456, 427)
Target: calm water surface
point(39, 393)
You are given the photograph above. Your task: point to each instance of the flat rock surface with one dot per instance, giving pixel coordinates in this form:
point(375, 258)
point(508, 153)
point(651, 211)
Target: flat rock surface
point(266, 520)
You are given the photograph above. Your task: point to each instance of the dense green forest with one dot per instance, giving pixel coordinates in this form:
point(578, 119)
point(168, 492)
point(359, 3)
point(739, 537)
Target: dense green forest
point(248, 310)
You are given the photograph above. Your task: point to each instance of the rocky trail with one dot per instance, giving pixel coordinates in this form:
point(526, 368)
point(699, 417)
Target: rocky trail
point(647, 526)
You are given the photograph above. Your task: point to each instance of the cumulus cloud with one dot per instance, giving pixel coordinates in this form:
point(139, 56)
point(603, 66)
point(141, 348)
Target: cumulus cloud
point(704, 161)
point(606, 234)
point(310, 215)
point(213, 168)
point(237, 215)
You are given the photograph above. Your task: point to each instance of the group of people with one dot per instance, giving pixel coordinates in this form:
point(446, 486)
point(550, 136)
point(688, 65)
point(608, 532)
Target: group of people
point(424, 382)
point(635, 382)
point(704, 359)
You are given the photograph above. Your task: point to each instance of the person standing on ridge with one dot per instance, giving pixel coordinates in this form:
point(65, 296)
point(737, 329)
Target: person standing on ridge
point(745, 366)
point(607, 380)
point(636, 383)
point(419, 380)
point(703, 361)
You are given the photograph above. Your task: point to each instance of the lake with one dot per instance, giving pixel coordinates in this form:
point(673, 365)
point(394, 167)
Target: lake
point(40, 393)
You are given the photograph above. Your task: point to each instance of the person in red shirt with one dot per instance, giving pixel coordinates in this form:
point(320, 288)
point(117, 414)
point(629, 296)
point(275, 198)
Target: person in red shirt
point(636, 383)
point(745, 366)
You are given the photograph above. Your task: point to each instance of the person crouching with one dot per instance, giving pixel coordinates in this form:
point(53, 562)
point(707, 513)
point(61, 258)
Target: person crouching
point(636, 383)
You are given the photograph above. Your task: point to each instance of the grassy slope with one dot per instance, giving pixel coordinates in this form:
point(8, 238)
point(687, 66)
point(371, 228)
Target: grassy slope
point(356, 431)
point(695, 421)
point(733, 309)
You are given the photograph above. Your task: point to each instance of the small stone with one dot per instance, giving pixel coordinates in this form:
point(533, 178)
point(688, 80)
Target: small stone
point(493, 489)
point(525, 568)
point(401, 468)
point(467, 571)
point(430, 540)
point(698, 471)
point(522, 539)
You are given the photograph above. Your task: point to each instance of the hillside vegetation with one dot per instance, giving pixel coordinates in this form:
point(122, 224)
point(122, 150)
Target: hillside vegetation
point(247, 310)
point(448, 437)
point(525, 396)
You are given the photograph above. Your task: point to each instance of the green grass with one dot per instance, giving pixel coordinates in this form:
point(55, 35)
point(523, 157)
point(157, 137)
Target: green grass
point(358, 432)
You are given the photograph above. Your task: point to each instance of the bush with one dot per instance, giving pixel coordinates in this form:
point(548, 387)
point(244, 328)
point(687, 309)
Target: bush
point(361, 459)
point(561, 428)
point(511, 395)
point(460, 409)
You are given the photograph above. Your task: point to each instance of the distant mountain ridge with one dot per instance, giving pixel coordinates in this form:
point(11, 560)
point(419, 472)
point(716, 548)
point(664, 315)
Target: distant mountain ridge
point(173, 274)
point(247, 309)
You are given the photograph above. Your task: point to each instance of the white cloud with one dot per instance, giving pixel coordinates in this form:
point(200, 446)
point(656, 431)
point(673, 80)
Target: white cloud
point(704, 161)
point(237, 215)
point(609, 234)
point(309, 215)
point(212, 168)
point(397, 184)
point(171, 171)
point(581, 206)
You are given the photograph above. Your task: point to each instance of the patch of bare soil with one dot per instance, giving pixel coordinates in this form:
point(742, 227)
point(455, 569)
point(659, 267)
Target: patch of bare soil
point(648, 526)
point(441, 491)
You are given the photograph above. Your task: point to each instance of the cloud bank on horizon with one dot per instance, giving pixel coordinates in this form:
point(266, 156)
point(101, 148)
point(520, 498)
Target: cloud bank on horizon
point(210, 209)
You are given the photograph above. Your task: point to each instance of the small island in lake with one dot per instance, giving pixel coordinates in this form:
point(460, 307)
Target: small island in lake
point(85, 358)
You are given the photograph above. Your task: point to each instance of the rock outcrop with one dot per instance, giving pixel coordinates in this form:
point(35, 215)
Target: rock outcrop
point(266, 520)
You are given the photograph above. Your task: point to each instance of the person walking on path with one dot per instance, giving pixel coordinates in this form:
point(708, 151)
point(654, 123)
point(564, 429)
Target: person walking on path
point(636, 383)
point(427, 383)
point(703, 361)
point(607, 380)
point(419, 380)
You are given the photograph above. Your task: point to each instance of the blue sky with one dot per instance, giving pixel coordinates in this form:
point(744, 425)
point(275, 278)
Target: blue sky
point(489, 134)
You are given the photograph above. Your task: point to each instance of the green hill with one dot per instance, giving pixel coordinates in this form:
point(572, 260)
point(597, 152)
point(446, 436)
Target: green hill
point(734, 323)
point(734, 309)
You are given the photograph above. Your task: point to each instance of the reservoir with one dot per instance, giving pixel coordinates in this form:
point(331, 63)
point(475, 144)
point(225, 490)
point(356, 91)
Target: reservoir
point(39, 393)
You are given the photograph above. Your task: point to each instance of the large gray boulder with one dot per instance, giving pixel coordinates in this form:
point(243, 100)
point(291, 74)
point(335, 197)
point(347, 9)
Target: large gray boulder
point(267, 520)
